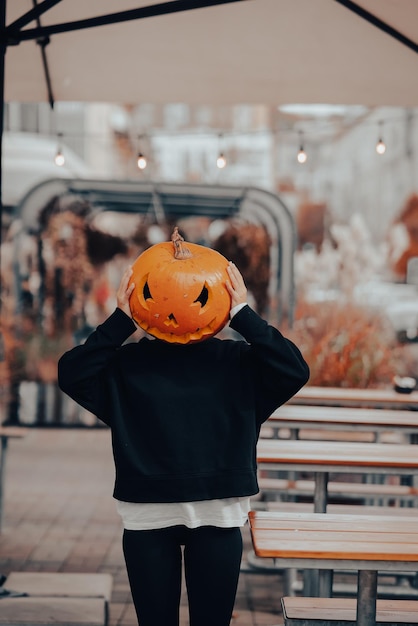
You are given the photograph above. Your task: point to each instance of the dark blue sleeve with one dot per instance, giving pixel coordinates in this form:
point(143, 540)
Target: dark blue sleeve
point(80, 370)
point(278, 367)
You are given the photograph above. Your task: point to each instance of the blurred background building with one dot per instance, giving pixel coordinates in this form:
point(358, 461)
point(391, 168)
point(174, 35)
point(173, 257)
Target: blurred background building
point(182, 142)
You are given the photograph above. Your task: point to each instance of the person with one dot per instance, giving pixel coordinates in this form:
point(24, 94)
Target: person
point(184, 420)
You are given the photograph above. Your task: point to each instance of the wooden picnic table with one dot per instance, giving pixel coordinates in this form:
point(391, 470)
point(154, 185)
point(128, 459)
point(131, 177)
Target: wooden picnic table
point(296, 417)
point(324, 457)
point(6, 433)
point(332, 541)
point(336, 396)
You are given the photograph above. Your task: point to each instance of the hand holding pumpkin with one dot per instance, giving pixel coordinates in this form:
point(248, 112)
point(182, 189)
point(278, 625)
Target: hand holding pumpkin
point(236, 286)
point(124, 291)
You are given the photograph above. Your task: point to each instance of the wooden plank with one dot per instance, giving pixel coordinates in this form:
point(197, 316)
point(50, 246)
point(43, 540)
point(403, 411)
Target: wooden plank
point(311, 394)
point(305, 547)
point(339, 509)
point(62, 584)
point(337, 453)
point(13, 432)
point(328, 522)
point(280, 485)
point(53, 611)
point(334, 609)
point(338, 417)
point(327, 536)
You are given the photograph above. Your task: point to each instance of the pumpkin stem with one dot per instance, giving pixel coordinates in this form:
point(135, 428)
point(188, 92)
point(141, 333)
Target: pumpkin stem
point(181, 251)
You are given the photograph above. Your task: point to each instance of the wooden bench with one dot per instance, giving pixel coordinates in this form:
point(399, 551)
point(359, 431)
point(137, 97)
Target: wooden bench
point(326, 542)
point(62, 599)
point(399, 585)
point(61, 584)
point(342, 611)
point(52, 611)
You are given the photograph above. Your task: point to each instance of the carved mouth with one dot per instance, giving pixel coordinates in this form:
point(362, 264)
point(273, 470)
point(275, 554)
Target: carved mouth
point(197, 335)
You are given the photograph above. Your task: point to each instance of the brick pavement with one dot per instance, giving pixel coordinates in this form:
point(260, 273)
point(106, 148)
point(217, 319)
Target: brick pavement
point(59, 516)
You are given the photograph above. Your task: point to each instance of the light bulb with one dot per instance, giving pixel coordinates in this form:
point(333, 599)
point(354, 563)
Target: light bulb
point(59, 158)
point(380, 147)
point(221, 161)
point(142, 161)
point(302, 156)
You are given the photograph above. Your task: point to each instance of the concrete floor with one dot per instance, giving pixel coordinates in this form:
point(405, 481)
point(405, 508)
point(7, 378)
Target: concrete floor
point(59, 516)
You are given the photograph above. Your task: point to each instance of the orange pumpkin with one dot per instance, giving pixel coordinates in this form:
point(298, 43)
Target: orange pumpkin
point(180, 294)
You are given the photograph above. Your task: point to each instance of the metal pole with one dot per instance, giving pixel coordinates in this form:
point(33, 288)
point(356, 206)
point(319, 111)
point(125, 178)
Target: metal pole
point(321, 492)
point(366, 598)
point(2, 64)
point(3, 451)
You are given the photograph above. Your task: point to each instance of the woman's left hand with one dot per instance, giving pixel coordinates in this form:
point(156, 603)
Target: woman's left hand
point(124, 291)
point(236, 286)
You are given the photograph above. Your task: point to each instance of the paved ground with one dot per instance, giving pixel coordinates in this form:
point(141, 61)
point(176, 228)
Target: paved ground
point(59, 516)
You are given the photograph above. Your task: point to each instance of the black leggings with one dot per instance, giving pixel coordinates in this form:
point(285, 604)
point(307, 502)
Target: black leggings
point(212, 559)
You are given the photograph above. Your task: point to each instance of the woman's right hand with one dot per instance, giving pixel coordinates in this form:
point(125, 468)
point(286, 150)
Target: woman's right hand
point(124, 291)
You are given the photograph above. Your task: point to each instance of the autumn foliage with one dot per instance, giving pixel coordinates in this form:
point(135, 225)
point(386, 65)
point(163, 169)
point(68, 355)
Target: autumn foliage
point(345, 346)
point(409, 218)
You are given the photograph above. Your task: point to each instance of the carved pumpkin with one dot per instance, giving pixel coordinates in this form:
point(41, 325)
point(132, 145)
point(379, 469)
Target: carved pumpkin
point(180, 294)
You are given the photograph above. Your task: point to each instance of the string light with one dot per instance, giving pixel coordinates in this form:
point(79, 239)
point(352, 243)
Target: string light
point(59, 158)
point(302, 156)
point(380, 146)
point(221, 160)
point(141, 161)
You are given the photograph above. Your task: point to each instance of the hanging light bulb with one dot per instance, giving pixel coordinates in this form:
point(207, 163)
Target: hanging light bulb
point(59, 158)
point(301, 156)
point(380, 146)
point(141, 161)
point(221, 161)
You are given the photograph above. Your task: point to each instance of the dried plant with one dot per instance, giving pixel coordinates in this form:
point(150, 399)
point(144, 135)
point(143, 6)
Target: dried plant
point(345, 345)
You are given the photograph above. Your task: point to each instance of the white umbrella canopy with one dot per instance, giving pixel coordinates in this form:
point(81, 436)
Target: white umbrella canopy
point(249, 51)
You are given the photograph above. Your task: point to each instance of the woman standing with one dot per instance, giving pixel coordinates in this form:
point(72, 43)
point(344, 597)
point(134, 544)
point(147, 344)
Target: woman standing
point(185, 421)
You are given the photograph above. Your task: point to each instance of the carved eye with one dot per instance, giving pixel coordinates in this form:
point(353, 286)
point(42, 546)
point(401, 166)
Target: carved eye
point(146, 292)
point(203, 296)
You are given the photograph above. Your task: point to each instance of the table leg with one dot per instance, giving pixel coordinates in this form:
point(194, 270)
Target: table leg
point(311, 583)
point(290, 577)
point(321, 492)
point(2, 468)
point(366, 598)
point(319, 582)
point(325, 583)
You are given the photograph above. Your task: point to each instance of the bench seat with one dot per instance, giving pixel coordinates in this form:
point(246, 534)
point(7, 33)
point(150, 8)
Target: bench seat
point(42, 611)
point(342, 612)
point(61, 584)
point(56, 598)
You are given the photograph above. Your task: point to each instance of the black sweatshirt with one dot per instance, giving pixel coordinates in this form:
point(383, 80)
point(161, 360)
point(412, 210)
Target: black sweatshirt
point(185, 419)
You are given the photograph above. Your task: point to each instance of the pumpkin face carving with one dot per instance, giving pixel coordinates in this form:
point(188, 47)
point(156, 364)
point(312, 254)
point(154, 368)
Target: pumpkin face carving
point(180, 294)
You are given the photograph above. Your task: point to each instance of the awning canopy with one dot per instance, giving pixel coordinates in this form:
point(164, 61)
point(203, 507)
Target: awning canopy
point(243, 51)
